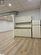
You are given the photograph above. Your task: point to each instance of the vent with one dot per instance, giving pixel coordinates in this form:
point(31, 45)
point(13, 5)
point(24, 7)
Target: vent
point(1, 2)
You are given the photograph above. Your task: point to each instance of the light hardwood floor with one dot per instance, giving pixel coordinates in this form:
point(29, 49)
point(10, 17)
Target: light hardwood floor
point(29, 46)
point(19, 45)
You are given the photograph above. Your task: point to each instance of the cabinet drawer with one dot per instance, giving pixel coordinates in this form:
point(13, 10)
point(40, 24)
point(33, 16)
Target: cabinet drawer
point(23, 32)
point(23, 19)
point(24, 25)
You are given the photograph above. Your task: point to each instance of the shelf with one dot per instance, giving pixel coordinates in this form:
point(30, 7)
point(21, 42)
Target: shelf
point(6, 20)
point(22, 27)
point(24, 23)
point(20, 23)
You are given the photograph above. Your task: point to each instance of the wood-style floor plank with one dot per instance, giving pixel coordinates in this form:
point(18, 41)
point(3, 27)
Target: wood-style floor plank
point(22, 46)
point(29, 47)
point(14, 50)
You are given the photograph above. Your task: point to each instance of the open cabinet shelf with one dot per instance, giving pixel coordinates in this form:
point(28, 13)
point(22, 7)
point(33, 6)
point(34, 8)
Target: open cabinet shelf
point(23, 23)
point(23, 26)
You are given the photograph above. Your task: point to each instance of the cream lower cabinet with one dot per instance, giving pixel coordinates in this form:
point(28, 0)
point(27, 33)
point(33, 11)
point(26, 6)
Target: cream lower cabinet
point(36, 32)
point(23, 32)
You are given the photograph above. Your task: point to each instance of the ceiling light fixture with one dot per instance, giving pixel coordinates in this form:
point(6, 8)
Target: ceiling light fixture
point(10, 4)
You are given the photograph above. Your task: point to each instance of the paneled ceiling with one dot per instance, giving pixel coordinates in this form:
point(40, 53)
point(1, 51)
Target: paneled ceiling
point(19, 5)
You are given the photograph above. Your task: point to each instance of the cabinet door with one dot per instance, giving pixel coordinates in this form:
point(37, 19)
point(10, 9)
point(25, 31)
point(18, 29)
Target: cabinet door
point(23, 32)
point(36, 31)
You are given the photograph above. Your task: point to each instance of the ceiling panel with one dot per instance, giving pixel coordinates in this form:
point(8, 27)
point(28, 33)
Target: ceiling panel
point(19, 5)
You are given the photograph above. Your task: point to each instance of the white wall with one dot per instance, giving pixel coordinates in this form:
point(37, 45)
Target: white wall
point(34, 13)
